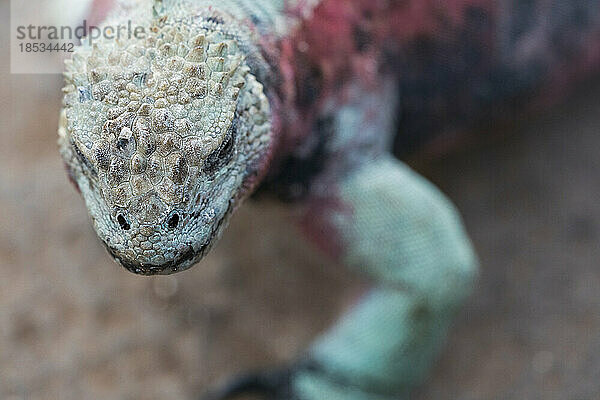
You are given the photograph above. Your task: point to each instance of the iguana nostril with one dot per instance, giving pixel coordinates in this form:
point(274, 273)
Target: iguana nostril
point(123, 223)
point(173, 221)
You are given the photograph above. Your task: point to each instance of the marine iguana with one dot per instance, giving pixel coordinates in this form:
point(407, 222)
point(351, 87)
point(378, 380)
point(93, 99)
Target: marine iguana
point(165, 135)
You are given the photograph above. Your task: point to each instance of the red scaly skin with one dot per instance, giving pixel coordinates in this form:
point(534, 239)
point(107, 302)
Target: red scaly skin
point(322, 55)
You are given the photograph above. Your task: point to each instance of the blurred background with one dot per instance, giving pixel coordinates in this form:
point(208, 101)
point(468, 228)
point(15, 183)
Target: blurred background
point(74, 325)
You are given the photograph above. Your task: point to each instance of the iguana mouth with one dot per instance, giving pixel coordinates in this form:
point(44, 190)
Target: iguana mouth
point(187, 258)
point(147, 269)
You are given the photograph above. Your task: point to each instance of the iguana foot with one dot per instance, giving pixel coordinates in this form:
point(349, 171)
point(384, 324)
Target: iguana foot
point(273, 384)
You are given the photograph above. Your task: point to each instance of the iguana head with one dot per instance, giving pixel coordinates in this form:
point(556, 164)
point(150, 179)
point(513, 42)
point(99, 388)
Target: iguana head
point(164, 136)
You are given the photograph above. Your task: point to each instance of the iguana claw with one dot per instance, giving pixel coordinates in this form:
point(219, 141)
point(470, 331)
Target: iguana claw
point(272, 384)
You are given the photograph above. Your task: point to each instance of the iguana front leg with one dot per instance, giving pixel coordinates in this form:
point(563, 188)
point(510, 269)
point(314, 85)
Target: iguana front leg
point(390, 223)
point(371, 212)
point(402, 232)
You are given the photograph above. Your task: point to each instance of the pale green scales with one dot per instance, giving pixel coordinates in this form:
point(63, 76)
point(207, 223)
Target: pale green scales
point(408, 237)
point(401, 232)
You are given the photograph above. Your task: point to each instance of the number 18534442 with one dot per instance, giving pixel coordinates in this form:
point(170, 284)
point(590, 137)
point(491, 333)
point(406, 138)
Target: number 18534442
point(46, 47)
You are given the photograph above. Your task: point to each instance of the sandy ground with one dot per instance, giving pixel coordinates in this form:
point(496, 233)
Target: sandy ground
point(73, 325)
point(531, 205)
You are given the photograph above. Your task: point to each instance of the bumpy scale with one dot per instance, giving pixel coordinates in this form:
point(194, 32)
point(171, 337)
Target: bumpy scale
point(164, 136)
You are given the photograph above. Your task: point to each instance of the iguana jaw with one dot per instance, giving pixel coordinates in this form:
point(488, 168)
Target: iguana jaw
point(180, 263)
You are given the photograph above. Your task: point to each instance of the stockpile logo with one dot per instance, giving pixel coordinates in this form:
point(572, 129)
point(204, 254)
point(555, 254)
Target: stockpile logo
point(43, 37)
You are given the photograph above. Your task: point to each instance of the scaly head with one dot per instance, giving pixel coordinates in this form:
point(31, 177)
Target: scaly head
point(164, 136)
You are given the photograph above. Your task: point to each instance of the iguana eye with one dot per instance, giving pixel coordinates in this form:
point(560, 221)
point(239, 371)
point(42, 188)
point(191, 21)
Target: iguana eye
point(122, 143)
point(227, 148)
point(83, 160)
point(222, 155)
point(215, 20)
